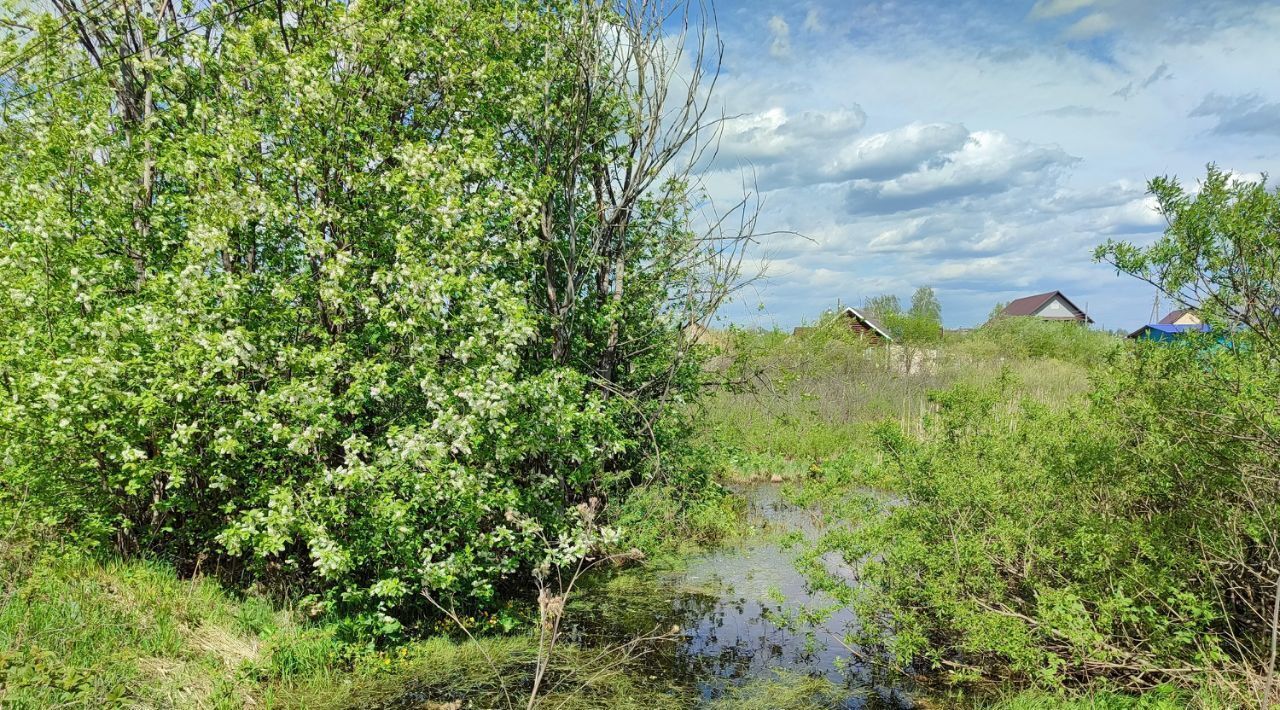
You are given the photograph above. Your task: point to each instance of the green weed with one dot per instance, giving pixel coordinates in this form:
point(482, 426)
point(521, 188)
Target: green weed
point(784, 691)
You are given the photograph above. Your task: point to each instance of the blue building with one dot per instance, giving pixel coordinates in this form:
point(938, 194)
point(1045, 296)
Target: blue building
point(1166, 332)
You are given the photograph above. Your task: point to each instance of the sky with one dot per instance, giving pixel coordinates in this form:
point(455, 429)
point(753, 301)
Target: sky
point(980, 148)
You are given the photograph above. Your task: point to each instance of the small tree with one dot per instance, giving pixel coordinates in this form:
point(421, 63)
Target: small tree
point(912, 330)
point(883, 306)
point(1221, 256)
point(925, 305)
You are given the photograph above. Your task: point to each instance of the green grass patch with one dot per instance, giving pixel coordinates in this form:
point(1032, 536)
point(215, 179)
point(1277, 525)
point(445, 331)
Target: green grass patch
point(74, 631)
point(1158, 698)
point(783, 691)
point(86, 633)
point(668, 521)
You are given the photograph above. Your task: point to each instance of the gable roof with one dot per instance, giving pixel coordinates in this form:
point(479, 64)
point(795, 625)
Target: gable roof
point(870, 320)
point(1174, 316)
point(1031, 305)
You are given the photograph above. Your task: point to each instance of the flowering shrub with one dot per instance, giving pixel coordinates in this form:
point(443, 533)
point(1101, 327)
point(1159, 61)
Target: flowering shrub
point(290, 315)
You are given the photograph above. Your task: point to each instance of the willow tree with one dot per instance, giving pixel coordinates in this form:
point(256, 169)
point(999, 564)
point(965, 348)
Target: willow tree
point(1218, 402)
point(363, 297)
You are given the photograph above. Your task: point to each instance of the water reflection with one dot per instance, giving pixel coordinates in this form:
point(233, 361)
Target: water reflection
point(737, 610)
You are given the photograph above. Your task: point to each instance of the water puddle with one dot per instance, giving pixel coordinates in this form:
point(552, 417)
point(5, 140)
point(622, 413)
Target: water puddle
point(739, 613)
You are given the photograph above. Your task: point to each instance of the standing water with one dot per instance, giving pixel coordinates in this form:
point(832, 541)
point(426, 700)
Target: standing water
point(740, 611)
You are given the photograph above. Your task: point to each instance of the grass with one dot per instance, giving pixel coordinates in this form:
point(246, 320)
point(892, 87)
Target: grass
point(784, 691)
point(78, 632)
point(665, 521)
point(1159, 698)
point(74, 632)
point(815, 397)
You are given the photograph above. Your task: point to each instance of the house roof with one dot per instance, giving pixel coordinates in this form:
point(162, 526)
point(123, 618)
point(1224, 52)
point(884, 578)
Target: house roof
point(870, 320)
point(1030, 305)
point(1174, 316)
point(1171, 329)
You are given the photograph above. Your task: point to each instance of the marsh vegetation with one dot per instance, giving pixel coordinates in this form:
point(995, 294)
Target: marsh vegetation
point(1074, 512)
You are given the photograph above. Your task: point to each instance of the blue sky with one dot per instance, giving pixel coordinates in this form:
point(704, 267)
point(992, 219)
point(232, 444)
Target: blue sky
point(980, 148)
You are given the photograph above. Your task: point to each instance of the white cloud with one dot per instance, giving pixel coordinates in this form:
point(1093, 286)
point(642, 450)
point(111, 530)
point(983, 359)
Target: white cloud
point(827, 124)
point(1105, 195)
point(813, 20)
point(780, 46)
point(985, 163)
point(754, 136)
point(1135, 216)
point(1087, 19)
point(768, 136)
point(1090, 25)
point(892, 153)
point(1044, 9)
point(910, 153)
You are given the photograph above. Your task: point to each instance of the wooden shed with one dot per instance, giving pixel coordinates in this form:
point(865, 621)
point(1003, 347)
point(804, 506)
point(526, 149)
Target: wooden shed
point(866, 325)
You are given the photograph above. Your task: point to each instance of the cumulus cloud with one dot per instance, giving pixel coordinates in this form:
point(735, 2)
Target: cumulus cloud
point(1132, 217)
point(986, 163)
point(979, 272)
point(826, 124)
point(893, 153)
point(945, 235)
point(754, 137)
point(1246, 115)
point(887, 171)
point(780, 32)
point(768, 136)
point(910, 153)
point(1106, 195)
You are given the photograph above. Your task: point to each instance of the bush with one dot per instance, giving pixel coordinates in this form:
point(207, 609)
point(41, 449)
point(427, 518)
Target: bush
point(1028, 337)
point(323, 314)
point(1126, 539)
point(692, 510)
point(1092, 540)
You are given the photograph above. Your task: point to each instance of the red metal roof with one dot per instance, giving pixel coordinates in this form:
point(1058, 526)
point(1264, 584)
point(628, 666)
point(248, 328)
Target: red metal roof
point(1030, 305)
